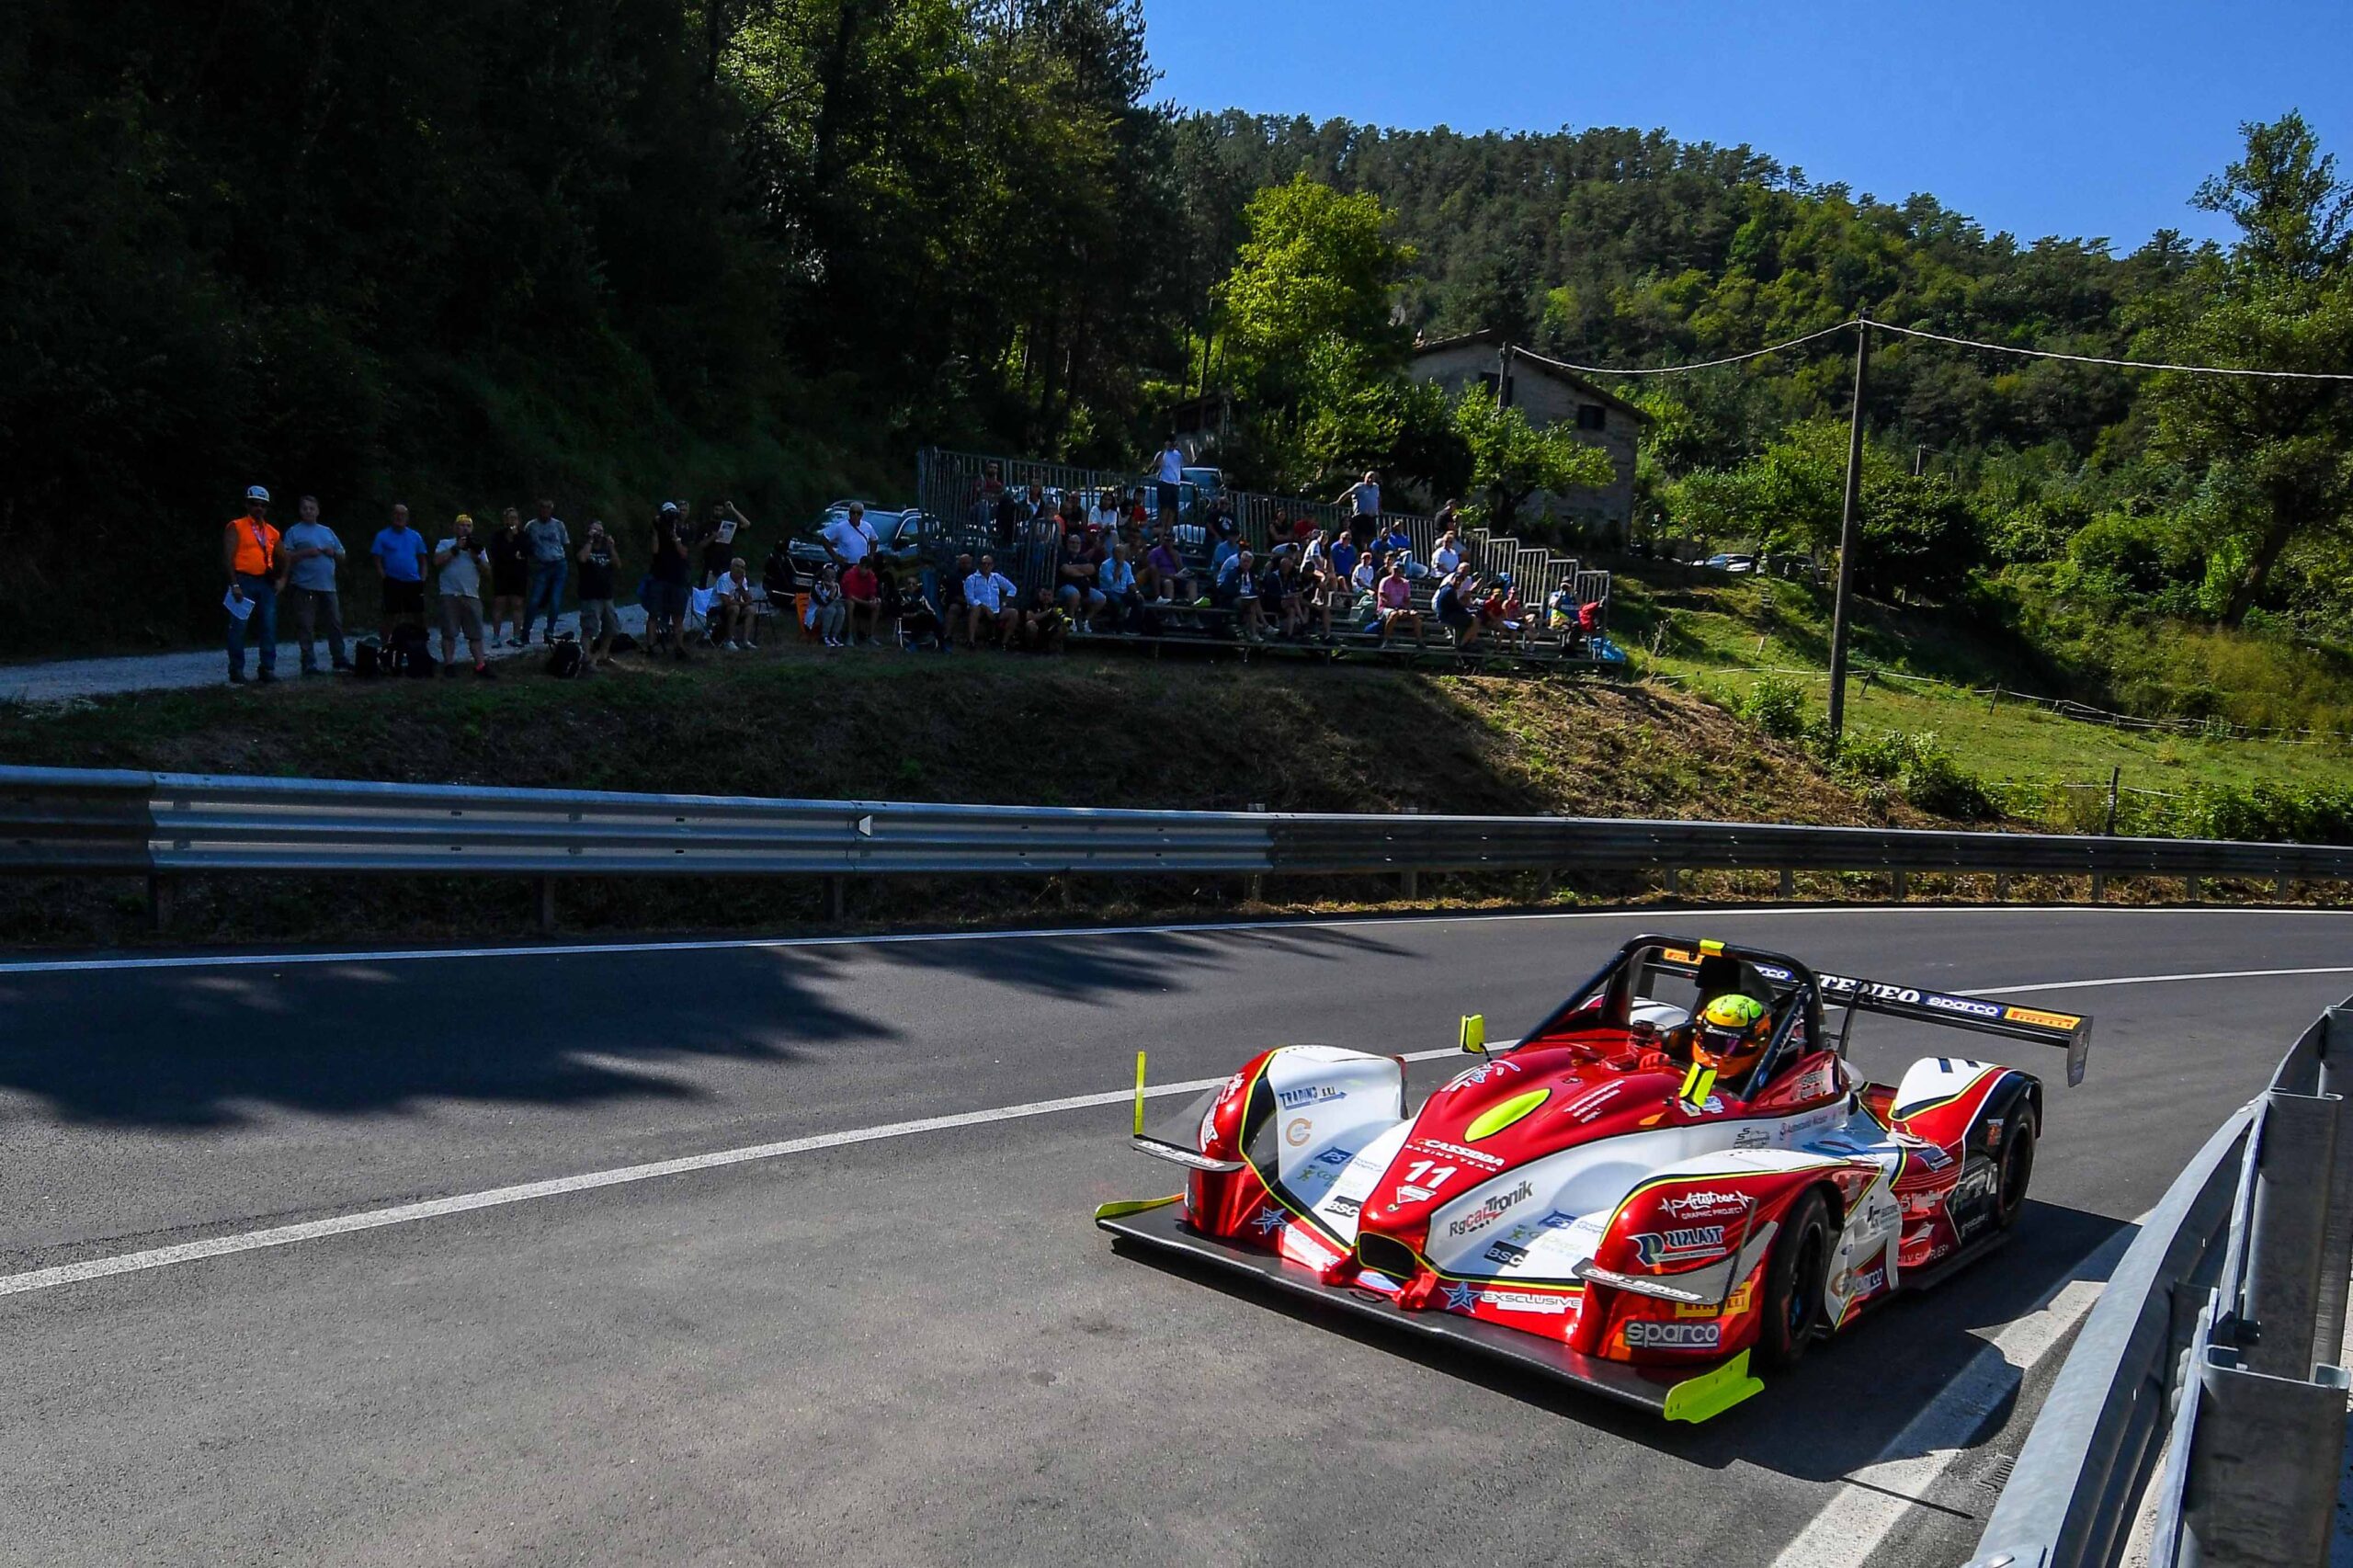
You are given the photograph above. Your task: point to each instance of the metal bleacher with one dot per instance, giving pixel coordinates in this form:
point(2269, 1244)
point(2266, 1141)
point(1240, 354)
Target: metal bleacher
point(957, 492)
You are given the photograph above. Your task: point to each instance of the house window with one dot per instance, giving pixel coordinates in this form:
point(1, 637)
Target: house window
point(1591, 416)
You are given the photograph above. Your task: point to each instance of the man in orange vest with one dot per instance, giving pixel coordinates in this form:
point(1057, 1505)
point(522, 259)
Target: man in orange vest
point(249, 554)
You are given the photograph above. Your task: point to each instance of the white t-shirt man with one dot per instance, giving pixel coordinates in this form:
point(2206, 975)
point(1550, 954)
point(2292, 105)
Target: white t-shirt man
point(463, 574)
point(1172, 464)
point(990, 591)
point(852, 540)
point(1367, 497)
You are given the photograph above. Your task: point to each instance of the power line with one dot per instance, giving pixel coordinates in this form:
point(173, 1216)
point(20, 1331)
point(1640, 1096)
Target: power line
point(2120, 364)
point(1677, 370)
point(1941, 338)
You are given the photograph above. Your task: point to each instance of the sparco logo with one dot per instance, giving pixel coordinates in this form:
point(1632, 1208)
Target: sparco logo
point(1490, 1210)
point(1655, 1247)
point(1642, 1334)
point(1963, 1004)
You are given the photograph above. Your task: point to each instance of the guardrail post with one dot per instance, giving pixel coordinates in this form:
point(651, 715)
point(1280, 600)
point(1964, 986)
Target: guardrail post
point(1674, 881)
point(2283, 888)
point(1253, 887)
point(2293, 1172)
point(2263, 1461)
point(2190, 890)
point(2100, 887)
point(2336, 1244)
point(160, 890)
point(2001, 887)
point(547, 903)
point(835, 893)
point(1901, 884)
point(1788, 884)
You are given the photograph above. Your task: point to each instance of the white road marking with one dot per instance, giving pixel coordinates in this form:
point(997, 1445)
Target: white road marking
point(1871, 1501)
point(2151, 980)
point(766, 943)
point(526, 1192)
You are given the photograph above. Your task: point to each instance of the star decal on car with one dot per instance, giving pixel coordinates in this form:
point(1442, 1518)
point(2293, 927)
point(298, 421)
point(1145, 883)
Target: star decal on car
point(1268, 1220)
point(1461, 1298)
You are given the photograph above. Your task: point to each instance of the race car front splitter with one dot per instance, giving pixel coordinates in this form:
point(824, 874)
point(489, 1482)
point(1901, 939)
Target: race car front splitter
point(1676, 1394)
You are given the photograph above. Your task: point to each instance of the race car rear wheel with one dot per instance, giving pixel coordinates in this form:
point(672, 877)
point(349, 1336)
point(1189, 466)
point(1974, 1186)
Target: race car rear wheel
point(2017, 1172)
point(1794, 1278)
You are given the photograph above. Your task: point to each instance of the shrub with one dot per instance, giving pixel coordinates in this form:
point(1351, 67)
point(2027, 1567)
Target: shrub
point(1776, 704)
point(1922, 766)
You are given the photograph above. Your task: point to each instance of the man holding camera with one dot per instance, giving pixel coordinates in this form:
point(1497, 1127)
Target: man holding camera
point(460, 560)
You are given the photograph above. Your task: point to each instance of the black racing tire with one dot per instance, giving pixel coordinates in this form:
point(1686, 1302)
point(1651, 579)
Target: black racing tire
point(1795, 1279)
point(2015, 1172)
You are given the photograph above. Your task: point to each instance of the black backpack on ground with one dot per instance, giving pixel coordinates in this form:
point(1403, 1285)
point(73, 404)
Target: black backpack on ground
point(411, 655)
point(369, 660)
point(565, 659)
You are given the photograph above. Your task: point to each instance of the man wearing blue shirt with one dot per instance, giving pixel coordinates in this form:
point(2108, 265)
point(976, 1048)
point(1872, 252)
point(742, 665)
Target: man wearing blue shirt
point(399, 550)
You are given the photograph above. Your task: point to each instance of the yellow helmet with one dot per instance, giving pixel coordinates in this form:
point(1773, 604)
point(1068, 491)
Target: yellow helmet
point(1732, 1033)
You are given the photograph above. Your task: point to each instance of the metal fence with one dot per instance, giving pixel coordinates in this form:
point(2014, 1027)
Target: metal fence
point(2204, 1388)
point(961, 490)
point(164, 824)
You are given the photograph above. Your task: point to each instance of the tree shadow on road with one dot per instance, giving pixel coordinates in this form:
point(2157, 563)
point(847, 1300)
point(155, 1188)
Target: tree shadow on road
point(204, 1048)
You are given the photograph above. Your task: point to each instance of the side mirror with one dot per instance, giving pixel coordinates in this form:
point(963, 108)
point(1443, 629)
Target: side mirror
point(1474, 1034)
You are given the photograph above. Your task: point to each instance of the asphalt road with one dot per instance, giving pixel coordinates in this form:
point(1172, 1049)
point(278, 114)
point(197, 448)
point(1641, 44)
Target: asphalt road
point(916, 1348)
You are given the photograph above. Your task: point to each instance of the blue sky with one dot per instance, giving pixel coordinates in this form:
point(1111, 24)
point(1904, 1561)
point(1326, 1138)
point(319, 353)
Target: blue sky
point(2072, 118)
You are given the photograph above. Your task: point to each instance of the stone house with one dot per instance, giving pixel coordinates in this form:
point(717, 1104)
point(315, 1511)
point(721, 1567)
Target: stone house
point(1551, 394)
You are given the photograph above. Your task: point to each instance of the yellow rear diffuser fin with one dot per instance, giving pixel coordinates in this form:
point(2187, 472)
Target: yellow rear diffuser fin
point(1138, 1095)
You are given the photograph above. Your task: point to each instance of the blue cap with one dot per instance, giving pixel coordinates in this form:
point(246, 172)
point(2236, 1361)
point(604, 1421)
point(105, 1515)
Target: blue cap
point(255, 493)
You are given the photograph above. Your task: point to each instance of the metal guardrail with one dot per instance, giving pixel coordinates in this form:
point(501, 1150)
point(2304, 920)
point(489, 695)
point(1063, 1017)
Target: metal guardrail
point(162, 825)
point(2207, 1371)
point(66, 821)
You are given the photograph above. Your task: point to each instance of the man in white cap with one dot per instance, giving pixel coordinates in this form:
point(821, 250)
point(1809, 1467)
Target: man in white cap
point(250, 556)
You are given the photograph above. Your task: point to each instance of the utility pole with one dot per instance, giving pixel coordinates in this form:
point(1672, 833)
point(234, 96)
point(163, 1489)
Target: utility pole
point(1848, 525)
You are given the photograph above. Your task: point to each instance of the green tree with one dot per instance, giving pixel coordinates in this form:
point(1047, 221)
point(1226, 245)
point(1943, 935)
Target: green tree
point(1318, 266)
point(2282, 299)
point(1511, 459)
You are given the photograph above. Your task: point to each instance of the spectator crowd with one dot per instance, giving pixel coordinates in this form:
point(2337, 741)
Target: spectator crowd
point(1105, 562)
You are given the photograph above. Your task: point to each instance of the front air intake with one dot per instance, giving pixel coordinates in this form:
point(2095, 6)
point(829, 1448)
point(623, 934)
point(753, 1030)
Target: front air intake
point(1386, 1254)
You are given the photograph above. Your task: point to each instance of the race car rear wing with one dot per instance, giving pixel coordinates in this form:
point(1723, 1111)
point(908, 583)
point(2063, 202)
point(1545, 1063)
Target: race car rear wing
point(2072, 1032)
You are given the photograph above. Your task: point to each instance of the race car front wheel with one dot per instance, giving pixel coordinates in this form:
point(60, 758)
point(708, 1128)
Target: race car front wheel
point(2018, 1170)
point(1794, 1278)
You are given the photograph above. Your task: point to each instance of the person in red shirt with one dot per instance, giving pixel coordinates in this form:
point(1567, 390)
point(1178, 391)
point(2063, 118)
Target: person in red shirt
point(250, 556)
point(862, 593)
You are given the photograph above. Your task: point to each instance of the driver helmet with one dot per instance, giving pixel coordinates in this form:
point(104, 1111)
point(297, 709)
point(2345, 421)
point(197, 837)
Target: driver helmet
point(1732, 1033)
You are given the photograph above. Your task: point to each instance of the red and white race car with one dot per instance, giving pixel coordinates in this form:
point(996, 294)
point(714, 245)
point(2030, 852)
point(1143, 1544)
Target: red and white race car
point(1598, 1203)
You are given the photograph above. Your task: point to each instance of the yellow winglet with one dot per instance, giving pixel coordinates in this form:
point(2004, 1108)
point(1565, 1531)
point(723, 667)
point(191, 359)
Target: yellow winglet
point(1711, 1393)
point(1128, 1206)
point(1139, 1094)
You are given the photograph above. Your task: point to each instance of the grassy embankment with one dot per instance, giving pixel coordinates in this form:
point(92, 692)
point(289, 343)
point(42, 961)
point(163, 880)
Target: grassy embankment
point(1097, 730)
point(1086, 731)
point(1723, 635)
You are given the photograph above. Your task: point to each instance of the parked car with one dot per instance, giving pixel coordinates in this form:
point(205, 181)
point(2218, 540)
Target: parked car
point(908, 538)
point(1738, 564)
